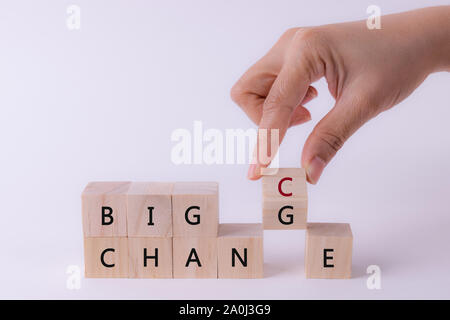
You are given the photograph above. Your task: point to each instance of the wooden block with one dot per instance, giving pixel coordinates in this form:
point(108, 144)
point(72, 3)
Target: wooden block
point(150, 257)
point(195, 257)
point(149, 209)
point(240, 250)
point(285, 199)
point(106, 257)
point(104, 209)
point(195, 209)
point(328, 253)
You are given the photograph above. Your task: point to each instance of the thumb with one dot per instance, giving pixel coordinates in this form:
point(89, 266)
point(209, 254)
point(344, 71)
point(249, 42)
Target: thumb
point(329, 135)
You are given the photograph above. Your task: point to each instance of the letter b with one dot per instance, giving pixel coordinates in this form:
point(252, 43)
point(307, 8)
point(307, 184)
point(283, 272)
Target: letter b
point(107, 218)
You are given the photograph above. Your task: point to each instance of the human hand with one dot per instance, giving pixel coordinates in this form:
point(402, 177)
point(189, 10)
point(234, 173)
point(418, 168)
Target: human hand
point(367, 71)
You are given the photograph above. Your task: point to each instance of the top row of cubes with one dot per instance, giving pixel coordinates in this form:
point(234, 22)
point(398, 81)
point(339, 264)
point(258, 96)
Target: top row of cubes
point(150, 209)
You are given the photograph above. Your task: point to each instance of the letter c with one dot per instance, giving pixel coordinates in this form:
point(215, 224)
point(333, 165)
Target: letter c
point(279, 187)
point(102, 258)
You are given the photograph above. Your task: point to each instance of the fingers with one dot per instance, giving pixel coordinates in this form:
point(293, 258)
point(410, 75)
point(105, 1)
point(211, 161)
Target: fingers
point(252, 105)
point(250, 92)
point(287, 92)
point(301, 114)
point(331, 132)
point(310, 94)
point(273, 90)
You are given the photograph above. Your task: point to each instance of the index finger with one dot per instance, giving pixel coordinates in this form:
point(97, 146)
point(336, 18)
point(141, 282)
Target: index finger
point(287, 92)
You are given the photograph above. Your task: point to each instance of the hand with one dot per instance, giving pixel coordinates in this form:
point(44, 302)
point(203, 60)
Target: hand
point(367, 71)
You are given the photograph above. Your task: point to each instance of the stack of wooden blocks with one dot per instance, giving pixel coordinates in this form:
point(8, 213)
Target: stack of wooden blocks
point(328, 252)
point(165, 230)
point(172, 230)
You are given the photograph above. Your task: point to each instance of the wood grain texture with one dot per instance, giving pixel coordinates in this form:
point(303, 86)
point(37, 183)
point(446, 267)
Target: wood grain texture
point(202, 195)
point(338, 239)
point(205, 249)
point(283, 187)
point(156, 221)
point(160, 267)
point(247, 241)
point(112, 195)
point(116, 261)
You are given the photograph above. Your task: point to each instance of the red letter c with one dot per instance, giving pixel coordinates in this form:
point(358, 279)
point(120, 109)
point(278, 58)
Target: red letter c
point(279, 187)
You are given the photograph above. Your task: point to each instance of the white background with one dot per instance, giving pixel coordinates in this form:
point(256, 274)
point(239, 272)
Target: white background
point(101, 103)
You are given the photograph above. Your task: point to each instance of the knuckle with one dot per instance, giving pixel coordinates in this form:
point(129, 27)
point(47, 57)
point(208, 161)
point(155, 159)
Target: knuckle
point(307, 49)
point(365, 106)
point(308, 35)
point(275, 102)
point(236, 93)
point(273, 110)
point(274, 106)
point(331, 139)
point(269, 107)
point(277, 96)
point(289, 33)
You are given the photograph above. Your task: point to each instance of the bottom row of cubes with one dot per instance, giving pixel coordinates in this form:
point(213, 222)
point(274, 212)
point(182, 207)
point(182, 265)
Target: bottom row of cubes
point(237, 252)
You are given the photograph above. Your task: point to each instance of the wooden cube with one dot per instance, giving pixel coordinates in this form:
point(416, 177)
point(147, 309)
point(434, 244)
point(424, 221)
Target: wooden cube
point(240, 250)
point(195, 257)
point(150, 257)
point(149, 209)
point(104, 209)
point(328, 253)
point(195, 209)
point(106, 257)
point(285, 199)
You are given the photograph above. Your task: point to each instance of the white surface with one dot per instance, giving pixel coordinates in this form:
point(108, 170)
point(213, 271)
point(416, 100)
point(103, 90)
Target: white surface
point(101, 103)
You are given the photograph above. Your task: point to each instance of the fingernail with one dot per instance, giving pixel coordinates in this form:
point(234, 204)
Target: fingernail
point(253, 172)
point(314, 169)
